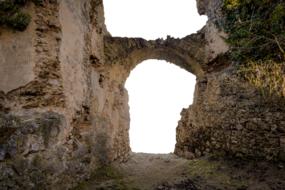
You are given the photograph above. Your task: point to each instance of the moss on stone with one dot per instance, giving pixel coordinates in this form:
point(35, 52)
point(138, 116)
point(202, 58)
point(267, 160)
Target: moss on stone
point(8, 125)
point(46, 125)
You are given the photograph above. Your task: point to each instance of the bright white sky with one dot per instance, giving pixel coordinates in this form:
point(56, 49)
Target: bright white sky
point(157, 90)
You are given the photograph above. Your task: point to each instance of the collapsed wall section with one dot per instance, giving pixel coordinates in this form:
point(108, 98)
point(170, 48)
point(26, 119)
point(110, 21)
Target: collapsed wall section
point(64, 110)
point(230, 117)
point(231, 114)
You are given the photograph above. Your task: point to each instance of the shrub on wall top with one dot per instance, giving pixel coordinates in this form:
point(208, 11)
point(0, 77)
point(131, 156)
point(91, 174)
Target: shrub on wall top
point(12, 16)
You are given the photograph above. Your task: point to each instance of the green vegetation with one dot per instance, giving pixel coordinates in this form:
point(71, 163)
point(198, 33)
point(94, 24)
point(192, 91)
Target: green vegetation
point(12, 15)
point(267, 76)
point(256, 29)
point(105, 177)
point(215, 173)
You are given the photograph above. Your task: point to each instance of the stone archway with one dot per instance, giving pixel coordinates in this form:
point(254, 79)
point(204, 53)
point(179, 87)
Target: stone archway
point(122, 55)
point(72, 108)
point(187, 52)
point(199, 54)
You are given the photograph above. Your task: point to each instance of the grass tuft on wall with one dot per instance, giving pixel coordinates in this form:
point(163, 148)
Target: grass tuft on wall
point(12, 14)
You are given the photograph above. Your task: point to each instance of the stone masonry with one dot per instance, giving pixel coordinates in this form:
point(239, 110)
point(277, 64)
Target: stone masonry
point(64, 108)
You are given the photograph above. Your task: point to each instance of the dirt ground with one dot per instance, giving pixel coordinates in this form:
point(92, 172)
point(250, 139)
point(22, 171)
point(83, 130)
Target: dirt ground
point(169, 172)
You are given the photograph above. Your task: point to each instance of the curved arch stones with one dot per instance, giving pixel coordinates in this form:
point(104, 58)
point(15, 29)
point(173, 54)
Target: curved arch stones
point(188, 52)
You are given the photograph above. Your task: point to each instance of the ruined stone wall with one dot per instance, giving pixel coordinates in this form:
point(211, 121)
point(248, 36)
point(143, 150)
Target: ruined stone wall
point(64, 109)
point(230, 117)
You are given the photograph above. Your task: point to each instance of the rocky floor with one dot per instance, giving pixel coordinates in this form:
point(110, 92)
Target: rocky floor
point(169, 172)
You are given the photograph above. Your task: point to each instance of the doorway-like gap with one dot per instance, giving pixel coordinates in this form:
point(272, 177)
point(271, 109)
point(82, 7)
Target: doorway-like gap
point(152, 19)
point(157, 93)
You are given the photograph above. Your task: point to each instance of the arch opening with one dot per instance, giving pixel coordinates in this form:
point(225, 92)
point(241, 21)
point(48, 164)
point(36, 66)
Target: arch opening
point(158, 90)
